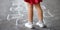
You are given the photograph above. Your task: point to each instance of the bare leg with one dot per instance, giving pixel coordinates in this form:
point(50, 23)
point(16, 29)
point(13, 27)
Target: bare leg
point(29, 24)
point(40, 12)
point(30, 12)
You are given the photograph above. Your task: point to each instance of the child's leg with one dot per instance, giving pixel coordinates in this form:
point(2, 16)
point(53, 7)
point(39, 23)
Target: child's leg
point(39, 11)
point(30, 16)
point(40, 15)
point(30, 12)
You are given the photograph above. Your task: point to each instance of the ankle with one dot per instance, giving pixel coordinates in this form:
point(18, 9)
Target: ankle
point(40, 21)
point(30, 22)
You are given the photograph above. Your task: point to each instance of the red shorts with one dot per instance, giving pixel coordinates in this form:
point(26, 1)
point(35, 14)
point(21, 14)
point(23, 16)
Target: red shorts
point(33, 1)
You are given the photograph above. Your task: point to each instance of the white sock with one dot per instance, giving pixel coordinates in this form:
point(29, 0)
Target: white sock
point(30, 22)
point(40, 21)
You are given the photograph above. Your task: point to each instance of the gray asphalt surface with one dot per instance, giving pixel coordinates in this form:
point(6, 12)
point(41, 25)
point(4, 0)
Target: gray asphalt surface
point(13, 15)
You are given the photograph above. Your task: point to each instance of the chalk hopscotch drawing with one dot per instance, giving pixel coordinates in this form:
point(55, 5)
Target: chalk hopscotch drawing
point(19, 11)
point(46, 12)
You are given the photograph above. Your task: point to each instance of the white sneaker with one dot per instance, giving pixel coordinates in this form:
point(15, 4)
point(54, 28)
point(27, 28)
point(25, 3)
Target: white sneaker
point(40, 24)
point(29, 25)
